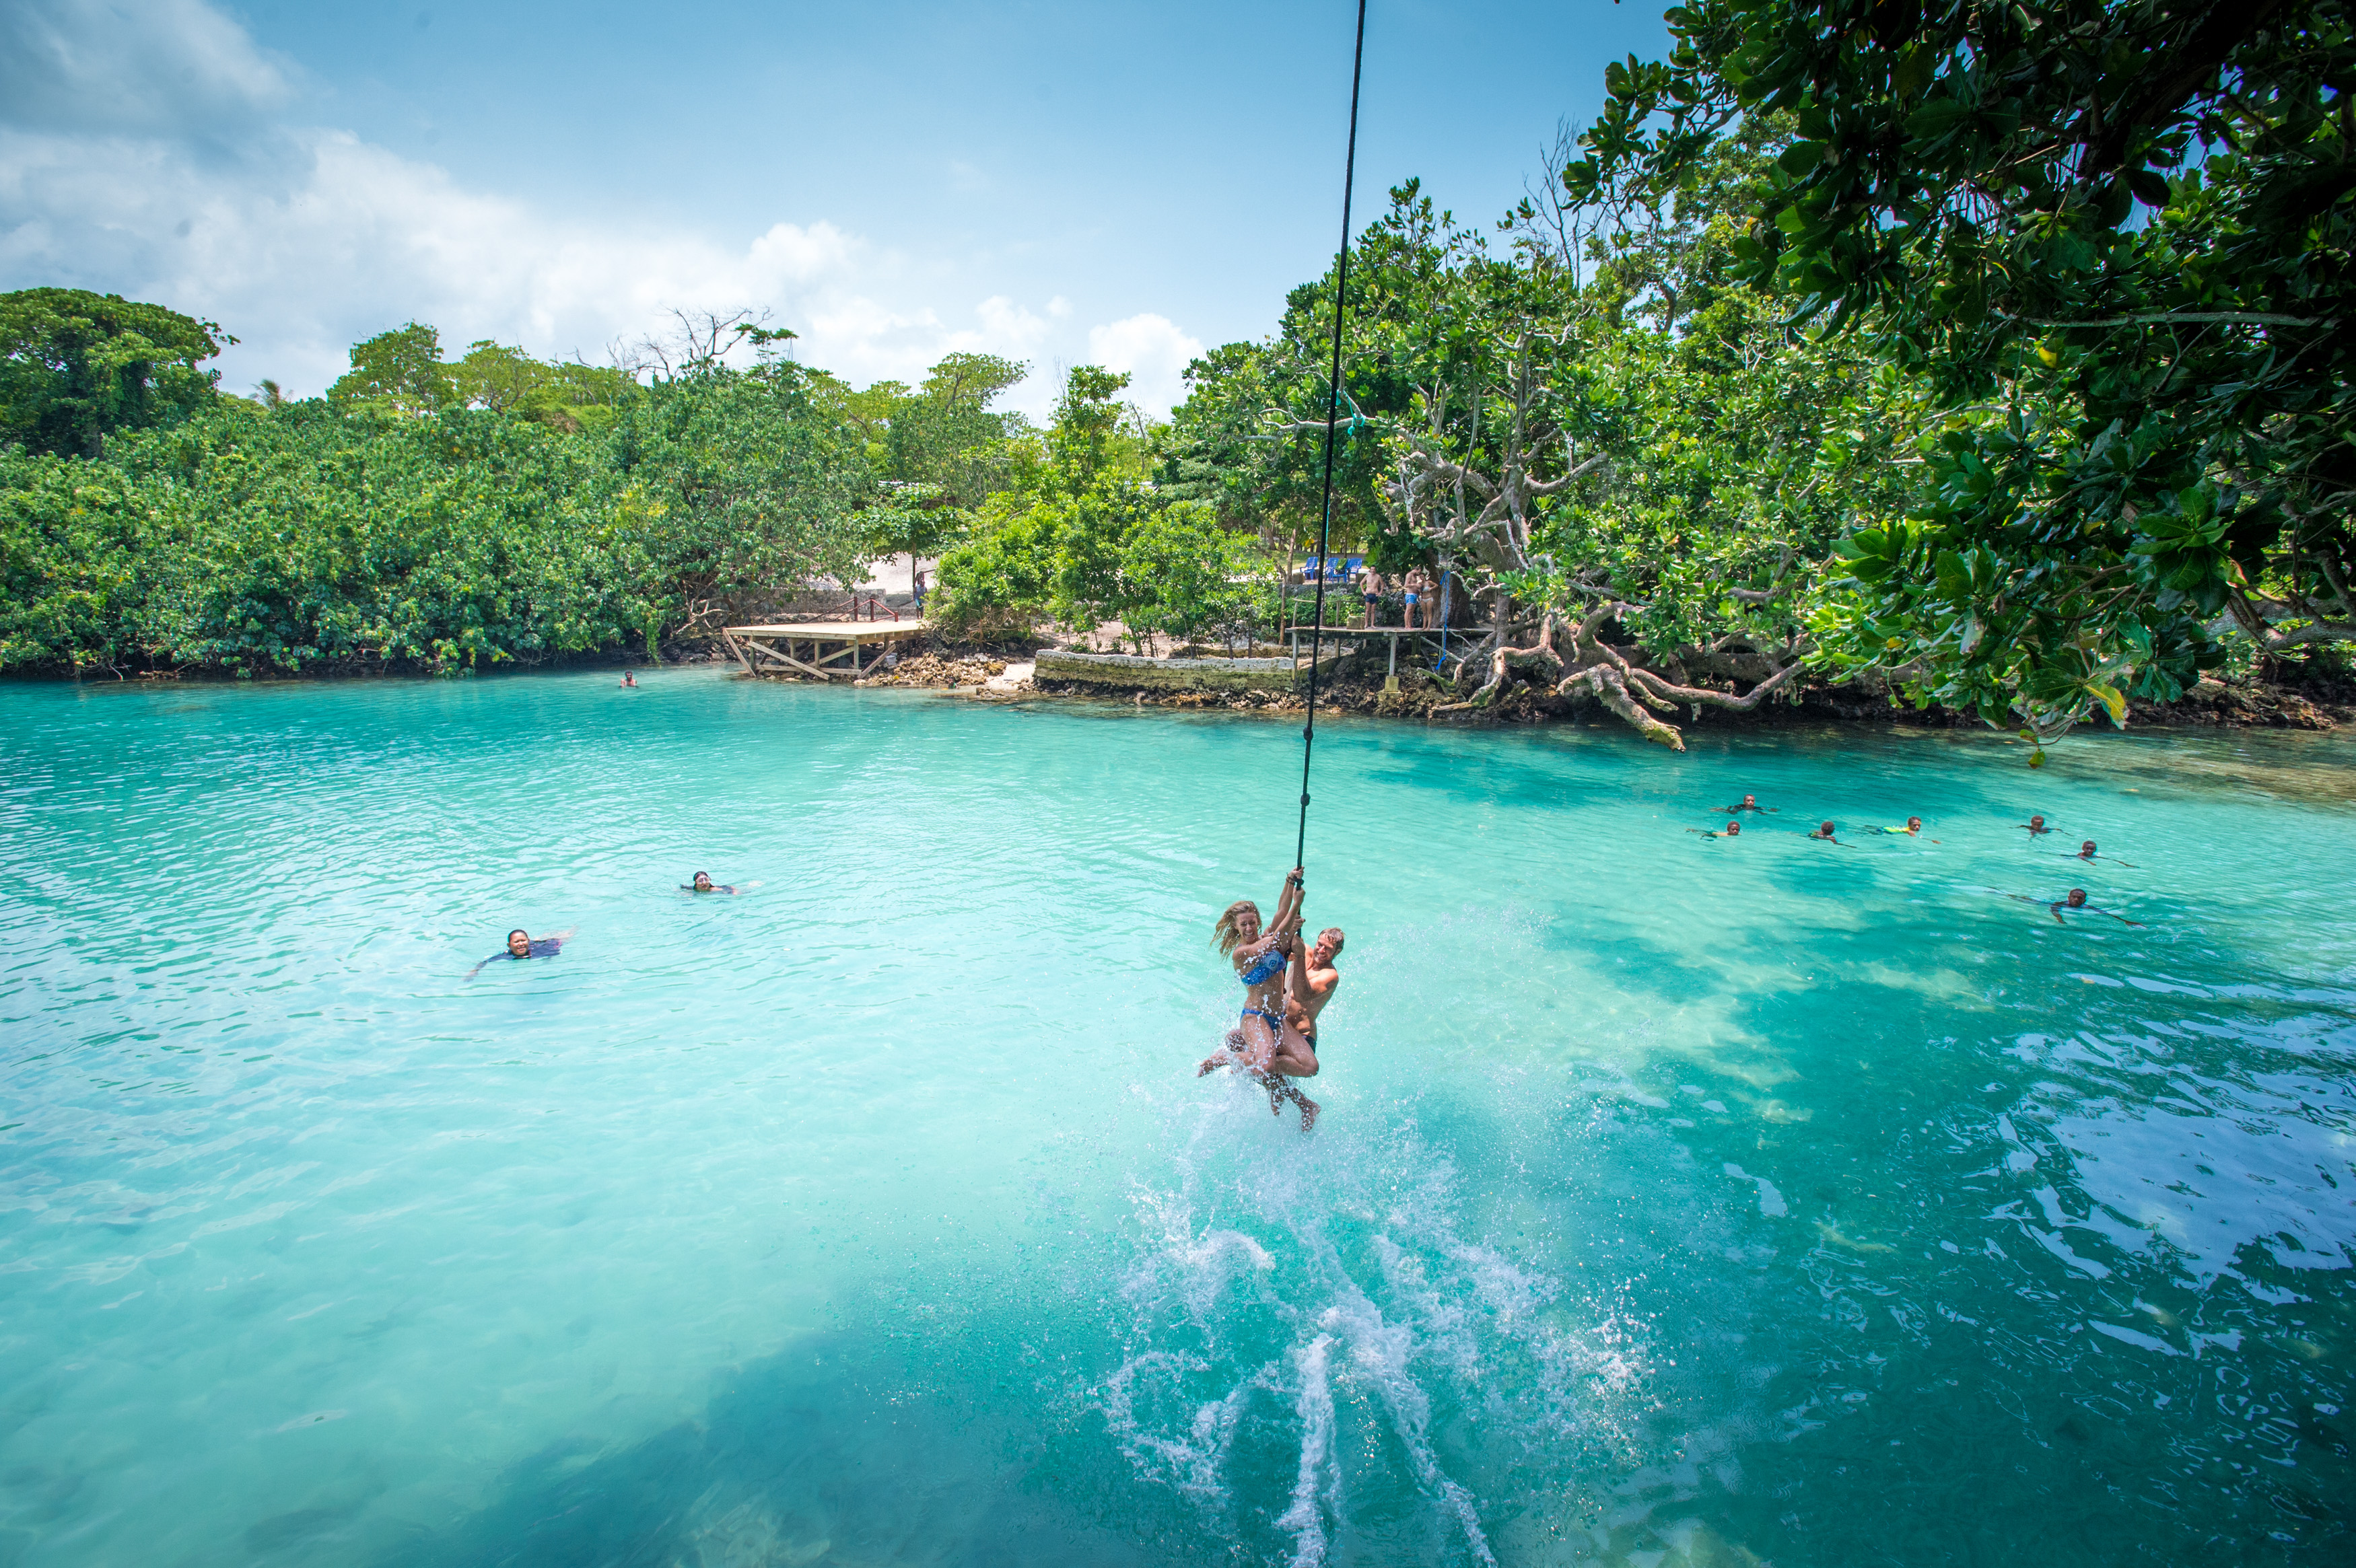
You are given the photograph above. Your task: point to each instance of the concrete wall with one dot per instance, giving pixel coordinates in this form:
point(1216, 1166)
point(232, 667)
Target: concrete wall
point(1128, 673)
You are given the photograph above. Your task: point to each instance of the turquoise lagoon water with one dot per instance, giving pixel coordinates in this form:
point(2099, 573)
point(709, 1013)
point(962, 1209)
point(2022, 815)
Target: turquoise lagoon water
point(1677, 1201)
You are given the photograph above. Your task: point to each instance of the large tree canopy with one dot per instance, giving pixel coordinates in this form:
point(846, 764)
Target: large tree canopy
point(75, 365)
point(400, 372)
point(2111, 244)
point(570, 509)
point(1082, 536)
point(1612, 444)
point(941, 449)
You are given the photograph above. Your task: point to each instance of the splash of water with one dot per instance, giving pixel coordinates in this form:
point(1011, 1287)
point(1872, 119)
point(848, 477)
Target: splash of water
point(1281, 1293)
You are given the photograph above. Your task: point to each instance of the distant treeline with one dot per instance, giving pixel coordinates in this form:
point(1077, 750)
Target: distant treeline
point(456, 515)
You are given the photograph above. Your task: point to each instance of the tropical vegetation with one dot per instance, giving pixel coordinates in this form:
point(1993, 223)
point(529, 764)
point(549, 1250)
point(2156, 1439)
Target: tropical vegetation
point(1996, 358)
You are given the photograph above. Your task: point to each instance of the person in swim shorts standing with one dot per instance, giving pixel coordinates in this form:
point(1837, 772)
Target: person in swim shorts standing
point(1417, 588)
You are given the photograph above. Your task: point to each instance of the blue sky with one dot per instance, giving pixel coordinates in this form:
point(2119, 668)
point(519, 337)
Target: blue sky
point(1120, 184)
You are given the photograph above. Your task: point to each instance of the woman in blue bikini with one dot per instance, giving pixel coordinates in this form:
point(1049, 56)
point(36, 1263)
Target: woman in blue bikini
point(1260, 958)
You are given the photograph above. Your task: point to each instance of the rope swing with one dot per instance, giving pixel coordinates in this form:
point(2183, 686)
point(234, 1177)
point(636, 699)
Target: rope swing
point(1333, 399)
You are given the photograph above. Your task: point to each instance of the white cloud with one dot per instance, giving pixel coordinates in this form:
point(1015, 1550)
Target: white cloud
point(1154, 351)
point(132, 67)
point(329, 239)
point(140, 154)
point(1009, 323)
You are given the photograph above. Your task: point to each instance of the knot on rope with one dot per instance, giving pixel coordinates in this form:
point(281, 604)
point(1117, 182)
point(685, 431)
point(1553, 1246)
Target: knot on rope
point(1358, 419)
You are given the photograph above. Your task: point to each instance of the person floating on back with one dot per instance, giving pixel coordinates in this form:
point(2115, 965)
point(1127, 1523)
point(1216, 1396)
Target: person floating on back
point(704, 884)
point(2075, 901)
point(2036, 825)
point(1733, 830)
point(1750, 803)
point(2086, 852)
point(522, 944)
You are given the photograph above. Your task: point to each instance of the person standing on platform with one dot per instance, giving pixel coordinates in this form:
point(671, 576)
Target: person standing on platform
point(1370, 592)
point(1417, 587)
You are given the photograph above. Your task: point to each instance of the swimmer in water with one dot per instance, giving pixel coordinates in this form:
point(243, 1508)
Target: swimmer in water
point(2036, 825)
point(522, 944)
point(1733, 830)
point(2086, 852)
point(1913, 829)
point(704, 884)
point(629, 680)
point(1825, 832)
point(2075, 901)
point(1261, 957)
point(1750, 803)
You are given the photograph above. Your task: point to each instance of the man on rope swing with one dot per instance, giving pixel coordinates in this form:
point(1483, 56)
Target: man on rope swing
point(1275, 1039)
point(1309, 988)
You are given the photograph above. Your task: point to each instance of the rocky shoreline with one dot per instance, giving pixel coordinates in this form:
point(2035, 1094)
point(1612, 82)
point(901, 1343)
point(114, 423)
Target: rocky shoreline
point(2320, 703)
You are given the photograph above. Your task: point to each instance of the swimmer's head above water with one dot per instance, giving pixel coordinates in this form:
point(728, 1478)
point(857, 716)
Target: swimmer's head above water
point(2035, 824)
point(2077, 899)
point(703, 881)
point(1914, 825)
point(1824, 830)
point(2086, 850)
point(519, 943)
point(1733, 829)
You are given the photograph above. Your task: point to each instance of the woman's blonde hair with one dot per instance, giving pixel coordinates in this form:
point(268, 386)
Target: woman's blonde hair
point(1226, 934)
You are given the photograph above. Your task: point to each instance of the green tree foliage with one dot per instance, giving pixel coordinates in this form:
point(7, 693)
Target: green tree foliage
point(941, 448)
point(399, 371)
point(2110, 244)
point(737, 480)
point(75, 365)
point(1189, 579)
point(508, 380)
point(944, 437)
point(1085, 538)
point(309, 535)
point(273, 543)
point(1630, 471)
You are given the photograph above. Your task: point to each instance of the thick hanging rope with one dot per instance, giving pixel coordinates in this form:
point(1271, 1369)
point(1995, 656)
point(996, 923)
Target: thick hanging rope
point(1333, 399)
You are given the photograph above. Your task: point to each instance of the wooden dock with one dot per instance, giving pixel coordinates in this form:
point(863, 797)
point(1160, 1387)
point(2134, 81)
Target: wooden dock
point(822, 650)
point(1418, 638)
